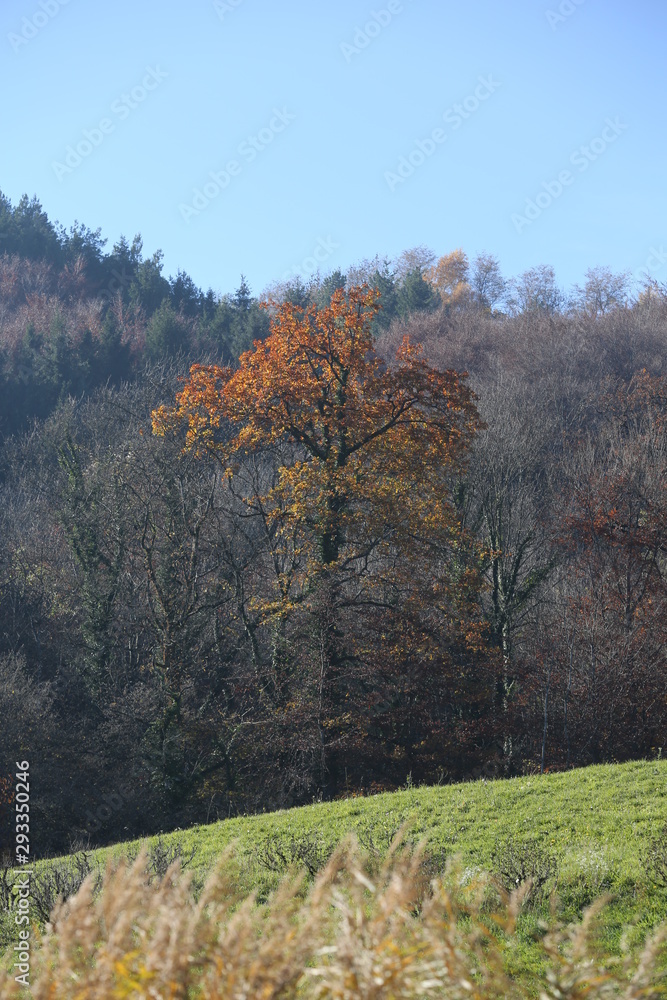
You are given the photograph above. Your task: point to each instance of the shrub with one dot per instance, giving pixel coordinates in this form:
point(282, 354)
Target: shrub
point(281, 852)
point(523, 863)
point(160, 856)
point(60, 879)
point(654, 859)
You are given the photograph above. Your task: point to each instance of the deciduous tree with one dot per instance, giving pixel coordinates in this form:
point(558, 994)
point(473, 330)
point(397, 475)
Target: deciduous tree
point(359, 510)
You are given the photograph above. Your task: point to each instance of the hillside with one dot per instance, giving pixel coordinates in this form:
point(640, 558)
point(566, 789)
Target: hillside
point(597, 822)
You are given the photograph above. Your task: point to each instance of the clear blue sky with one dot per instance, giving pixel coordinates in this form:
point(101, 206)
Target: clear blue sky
point(321, 173)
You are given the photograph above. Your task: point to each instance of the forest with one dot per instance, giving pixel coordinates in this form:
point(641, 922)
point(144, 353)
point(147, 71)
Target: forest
point(401, 525)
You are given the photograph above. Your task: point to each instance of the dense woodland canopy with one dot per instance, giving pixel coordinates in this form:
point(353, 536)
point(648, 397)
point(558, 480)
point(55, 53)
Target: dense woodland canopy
point(418, 532)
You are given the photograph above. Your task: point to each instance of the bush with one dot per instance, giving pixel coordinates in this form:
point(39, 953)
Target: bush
point(161, 856)
point(58, 880)
point(280, 853)
point(516, 864)
point(654, 859)
point(379, 843)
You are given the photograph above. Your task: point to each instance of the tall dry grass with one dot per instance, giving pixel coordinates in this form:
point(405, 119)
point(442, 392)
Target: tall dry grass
point(356, 933)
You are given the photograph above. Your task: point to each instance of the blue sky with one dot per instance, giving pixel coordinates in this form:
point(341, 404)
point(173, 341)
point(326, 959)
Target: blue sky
point(314, 107)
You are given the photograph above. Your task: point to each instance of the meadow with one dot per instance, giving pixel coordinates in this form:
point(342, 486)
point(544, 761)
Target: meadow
point(578, 836)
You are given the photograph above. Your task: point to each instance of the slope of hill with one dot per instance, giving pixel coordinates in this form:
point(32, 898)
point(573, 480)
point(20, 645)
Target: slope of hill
point(610, 810)
point(597, 822)
point(590, 832)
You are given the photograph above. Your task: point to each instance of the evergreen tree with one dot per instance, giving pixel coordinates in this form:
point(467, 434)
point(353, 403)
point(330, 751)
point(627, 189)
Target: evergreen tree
point(416, 294)
point(167, 333)
point(330, 284)
point(82, 244)
point(27, 231)
point(242, 297)
point(150, 288)
point(385, 282)
point(185, 296)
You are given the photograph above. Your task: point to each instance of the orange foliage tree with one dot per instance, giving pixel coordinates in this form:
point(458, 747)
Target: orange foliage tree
point(351, 463)
point(375, 442)
point(450, 275)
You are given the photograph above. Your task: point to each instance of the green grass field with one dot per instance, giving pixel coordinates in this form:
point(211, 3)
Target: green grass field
point(596, 822)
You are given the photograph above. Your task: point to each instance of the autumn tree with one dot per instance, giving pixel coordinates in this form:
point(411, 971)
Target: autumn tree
point(363, 430)
point(359, 458)
point(450, 277)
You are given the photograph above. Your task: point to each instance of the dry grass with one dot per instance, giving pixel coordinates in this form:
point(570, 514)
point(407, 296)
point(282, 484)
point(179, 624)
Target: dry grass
point(354, 934)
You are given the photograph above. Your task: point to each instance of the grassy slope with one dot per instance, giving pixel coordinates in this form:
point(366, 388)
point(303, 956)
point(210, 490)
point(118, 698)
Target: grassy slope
point(596, 820)
point(610, 811)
